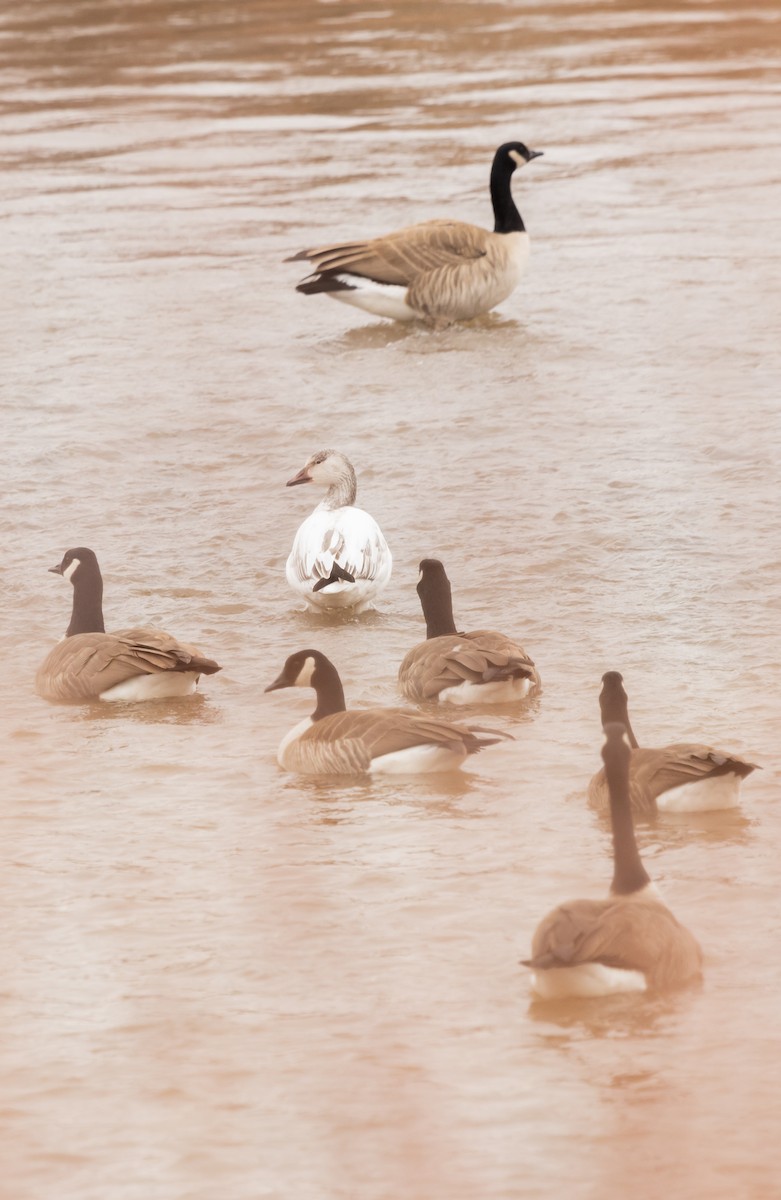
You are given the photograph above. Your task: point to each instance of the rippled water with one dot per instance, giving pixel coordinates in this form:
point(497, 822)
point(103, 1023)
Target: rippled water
point(222, 981)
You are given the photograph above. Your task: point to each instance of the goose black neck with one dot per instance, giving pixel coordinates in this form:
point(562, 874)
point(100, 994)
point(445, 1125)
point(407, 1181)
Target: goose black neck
point(87, 612)
point(328, 689)
point(629, 874)
point(614, 705)
point(437, 604)
point(507, 219)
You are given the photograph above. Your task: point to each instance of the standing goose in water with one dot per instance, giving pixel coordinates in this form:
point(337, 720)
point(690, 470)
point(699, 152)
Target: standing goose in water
point(133, 664)
point(439, 271)
point(630, 942)
point(395, 741)
point(683, 777)
point(340, 558)
point(482, 667)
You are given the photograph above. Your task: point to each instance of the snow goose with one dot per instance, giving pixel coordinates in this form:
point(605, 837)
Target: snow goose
point(630, 942)
point(133, 664)
point(334, 741)
point(683, 777)
point(439, 271)
point(482, 667)
point(340, 558)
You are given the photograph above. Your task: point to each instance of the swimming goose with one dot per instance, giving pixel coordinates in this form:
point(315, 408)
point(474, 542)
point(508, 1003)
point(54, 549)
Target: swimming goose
point(461, 668)
point(630, 942)
point(683, 777)
point(438, 271)
point(340, 558)
point(133, 664)
point(334, 741)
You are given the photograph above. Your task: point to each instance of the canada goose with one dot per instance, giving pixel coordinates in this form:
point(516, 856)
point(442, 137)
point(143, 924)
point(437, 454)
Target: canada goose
point(340, 558)
point(683, 777)
point(133, 664)
point(630, 942)
point(334, 741)
point(461, 668)
point(438, 271)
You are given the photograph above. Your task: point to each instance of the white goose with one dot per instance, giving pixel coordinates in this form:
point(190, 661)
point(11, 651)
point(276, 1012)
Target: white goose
point(133, 664)
point(630, 942)
point(482, 667)
point(682, 777)
point(395, 741)
point(340, 558)
point(438, 271)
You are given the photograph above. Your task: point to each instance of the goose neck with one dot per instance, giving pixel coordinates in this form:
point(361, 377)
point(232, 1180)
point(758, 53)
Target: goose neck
point(342, 491)
point(438, 612)
point(87, 611)
point(328, 689)
point(507, 219)
point(629, 874)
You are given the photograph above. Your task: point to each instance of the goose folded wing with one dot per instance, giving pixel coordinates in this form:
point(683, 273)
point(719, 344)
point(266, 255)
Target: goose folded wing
point(629, 935)
point(683, 763)
point(388, 730)
point(400, 257)
point(354, 541)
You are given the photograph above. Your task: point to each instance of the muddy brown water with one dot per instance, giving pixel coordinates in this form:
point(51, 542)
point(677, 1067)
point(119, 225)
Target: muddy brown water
point(222, 981)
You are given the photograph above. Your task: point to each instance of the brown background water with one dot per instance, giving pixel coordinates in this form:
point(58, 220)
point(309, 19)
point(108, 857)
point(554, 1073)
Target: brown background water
point(221, 981)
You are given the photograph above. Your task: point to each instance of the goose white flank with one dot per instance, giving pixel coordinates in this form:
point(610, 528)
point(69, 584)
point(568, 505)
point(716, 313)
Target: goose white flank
point(340, 558)
point(335, 741)
point(682, 777)
point(482, 667)
point(438, 271)
point(132, 664)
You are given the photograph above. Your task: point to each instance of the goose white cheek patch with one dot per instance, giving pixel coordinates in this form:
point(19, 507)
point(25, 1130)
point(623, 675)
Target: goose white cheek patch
point(72, 566)
point(304, 677)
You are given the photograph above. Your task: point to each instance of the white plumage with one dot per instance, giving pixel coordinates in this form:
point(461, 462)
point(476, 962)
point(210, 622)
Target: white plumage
point(340, 558)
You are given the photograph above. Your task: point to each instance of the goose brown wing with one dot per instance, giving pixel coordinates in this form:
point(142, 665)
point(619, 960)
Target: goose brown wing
point(480, 657)
point(361, 736)
point(89, 664)
point(654, 771)
point(627, 933)
point(400, 257)
point(674, 766)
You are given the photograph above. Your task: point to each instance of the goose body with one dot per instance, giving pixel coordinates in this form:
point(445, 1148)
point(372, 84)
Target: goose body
point(132, 664)
point(629, 942)
point(437, 271)
point(340, 558)
point(682, 777)
point(481, 667)
point(335, 741)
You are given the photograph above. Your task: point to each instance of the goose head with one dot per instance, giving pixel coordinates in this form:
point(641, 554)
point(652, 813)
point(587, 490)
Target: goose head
point(299, 671)
point(325, 467)
point(515, 154)
point(77, 565)
point(333, 471)
point(310, 668)
point(80, 566)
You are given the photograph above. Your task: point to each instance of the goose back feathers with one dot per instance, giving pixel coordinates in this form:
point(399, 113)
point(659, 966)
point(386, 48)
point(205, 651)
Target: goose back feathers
point(439, 271)
point(682, 777)
point(462, 668)
point(335, 741)
point(629, 942)
point(132, 664)
point(340, 558)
